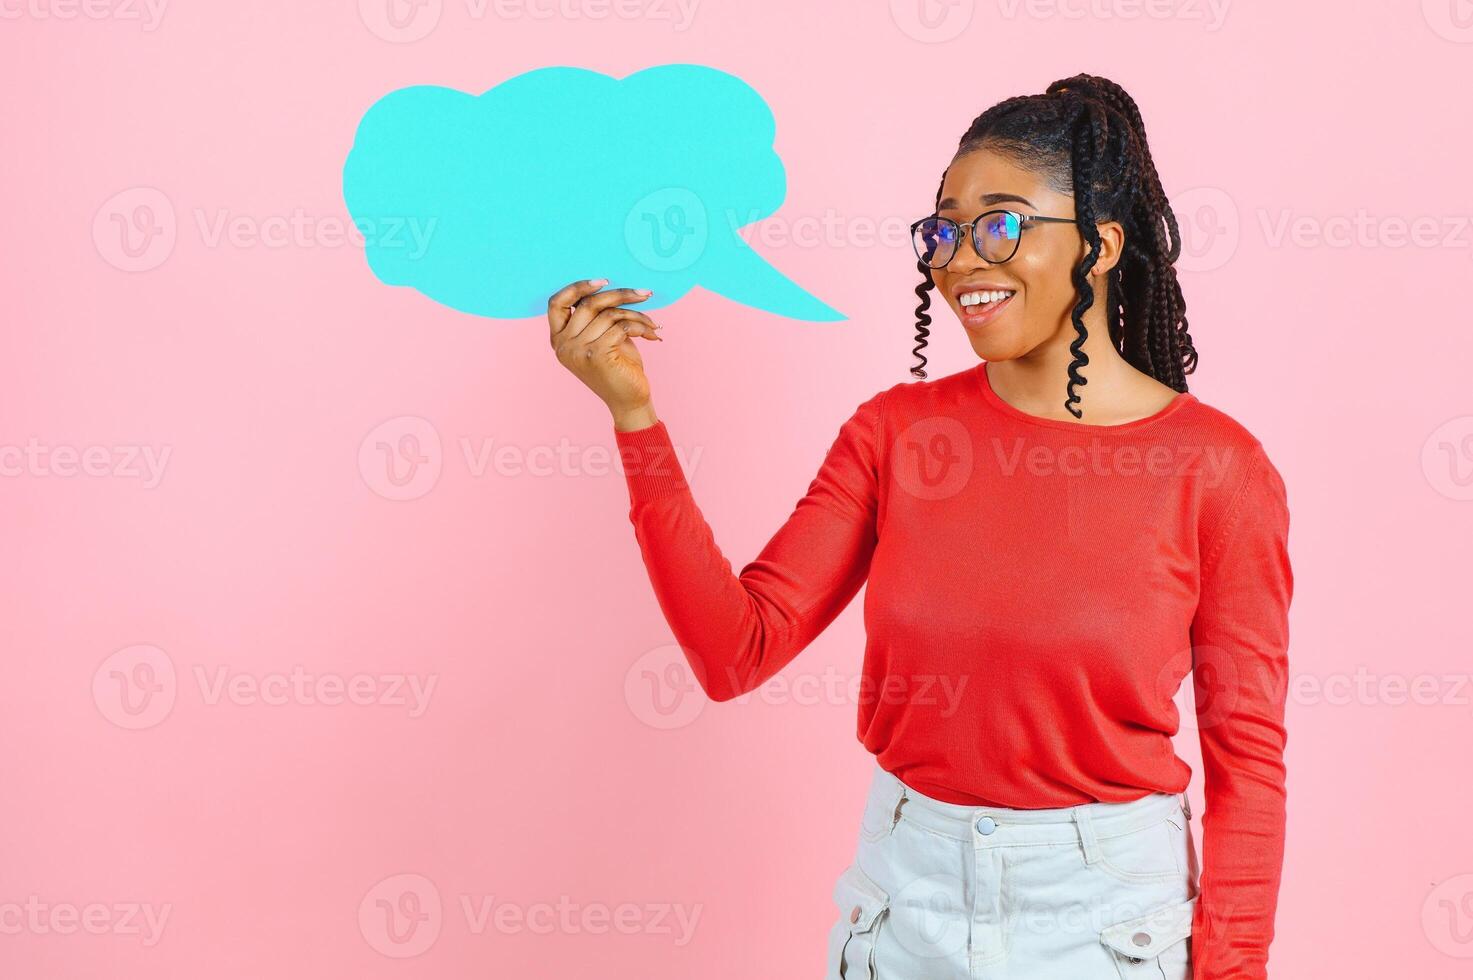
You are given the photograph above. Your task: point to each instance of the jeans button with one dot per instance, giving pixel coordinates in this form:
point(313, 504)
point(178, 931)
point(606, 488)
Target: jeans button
point(986, 825)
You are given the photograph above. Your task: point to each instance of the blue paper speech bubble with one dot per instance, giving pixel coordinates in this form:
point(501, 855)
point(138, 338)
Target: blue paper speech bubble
point(563, 173)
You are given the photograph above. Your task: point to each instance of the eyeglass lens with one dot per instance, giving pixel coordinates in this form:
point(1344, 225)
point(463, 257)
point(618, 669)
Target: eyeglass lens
point(994, 235)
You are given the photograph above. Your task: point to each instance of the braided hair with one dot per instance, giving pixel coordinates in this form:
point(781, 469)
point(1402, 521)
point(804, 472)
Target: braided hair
point(1085, 135)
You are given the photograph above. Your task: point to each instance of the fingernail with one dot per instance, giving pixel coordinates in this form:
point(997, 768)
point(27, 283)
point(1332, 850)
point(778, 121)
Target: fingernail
point(600, 282)
point(643, 292)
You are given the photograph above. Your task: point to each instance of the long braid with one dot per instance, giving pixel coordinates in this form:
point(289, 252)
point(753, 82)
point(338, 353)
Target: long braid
point(923, 318)
point(1085, 157)
point(1155, 213)
point(1085, 133)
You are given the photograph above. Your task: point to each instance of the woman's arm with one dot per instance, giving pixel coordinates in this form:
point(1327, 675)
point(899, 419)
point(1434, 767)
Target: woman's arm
point(738, 630)
point(1240, 640)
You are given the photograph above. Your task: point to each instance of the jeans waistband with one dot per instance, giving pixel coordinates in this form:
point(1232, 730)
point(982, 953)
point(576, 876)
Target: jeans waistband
point(992, 826)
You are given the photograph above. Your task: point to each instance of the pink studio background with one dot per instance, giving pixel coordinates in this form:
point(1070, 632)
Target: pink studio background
point(542, 769)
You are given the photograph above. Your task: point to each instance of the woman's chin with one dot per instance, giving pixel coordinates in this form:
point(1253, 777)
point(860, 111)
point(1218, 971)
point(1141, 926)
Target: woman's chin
point(998, 346)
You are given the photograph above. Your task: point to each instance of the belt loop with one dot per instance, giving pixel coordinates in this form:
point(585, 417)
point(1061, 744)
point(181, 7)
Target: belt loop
point(1186, 805)
point(1087, 836)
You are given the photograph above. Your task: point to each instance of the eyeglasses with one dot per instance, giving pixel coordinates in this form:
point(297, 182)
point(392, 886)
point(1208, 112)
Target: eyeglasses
point(995, 236)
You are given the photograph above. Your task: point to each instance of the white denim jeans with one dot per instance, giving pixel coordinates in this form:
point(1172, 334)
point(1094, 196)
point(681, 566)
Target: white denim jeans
point(939, 891)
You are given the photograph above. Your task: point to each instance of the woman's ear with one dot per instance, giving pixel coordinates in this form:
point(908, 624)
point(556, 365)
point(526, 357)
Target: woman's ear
point(1112, 245)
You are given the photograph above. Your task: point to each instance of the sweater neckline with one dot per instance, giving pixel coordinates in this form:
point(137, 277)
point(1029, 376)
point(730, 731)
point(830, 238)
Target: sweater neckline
point(1181, 400)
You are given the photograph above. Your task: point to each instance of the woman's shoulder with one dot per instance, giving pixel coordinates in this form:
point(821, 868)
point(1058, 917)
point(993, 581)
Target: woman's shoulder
point(1215, 429)
point(897, 408)
point(923, 397)
point(1237, 456)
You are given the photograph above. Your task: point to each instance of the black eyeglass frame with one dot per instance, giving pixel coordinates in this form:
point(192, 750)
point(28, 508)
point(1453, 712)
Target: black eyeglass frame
point(1024, 220)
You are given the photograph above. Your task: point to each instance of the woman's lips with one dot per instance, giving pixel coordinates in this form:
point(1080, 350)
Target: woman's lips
point(975, 321)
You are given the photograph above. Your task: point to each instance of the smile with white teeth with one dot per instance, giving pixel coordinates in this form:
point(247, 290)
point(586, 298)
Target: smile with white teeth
point(984, 298)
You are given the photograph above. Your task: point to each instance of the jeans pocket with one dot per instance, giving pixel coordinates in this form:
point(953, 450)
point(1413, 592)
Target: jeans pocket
point(1187, 848)
point(1152, 853)
point(1153, 946)
point(862, 906)
point(881, 811)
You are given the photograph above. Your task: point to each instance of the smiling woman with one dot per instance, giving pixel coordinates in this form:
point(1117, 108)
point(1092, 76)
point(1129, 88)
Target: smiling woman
point(1058, 578)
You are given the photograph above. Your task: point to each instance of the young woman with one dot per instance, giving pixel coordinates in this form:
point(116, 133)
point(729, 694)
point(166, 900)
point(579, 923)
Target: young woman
point(1052, 540)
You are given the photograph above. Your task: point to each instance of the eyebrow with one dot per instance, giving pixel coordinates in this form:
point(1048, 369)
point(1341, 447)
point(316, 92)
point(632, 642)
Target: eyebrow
point(951, 203)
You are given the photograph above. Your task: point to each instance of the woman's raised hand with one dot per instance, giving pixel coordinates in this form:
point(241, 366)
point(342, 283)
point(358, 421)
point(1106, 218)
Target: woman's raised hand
point(593, 336)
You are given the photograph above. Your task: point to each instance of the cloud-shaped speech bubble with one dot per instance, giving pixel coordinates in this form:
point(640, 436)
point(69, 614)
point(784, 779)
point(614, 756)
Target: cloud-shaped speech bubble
point(563, 173)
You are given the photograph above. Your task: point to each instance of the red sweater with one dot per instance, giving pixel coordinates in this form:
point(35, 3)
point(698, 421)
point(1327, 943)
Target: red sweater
point(1037, 592)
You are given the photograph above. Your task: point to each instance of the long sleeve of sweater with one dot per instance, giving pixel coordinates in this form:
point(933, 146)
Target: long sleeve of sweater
point(739, 629)
point(1240, 641)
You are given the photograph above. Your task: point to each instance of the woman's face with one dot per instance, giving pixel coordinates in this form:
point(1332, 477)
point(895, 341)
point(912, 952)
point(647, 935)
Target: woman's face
point(1039, 273)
